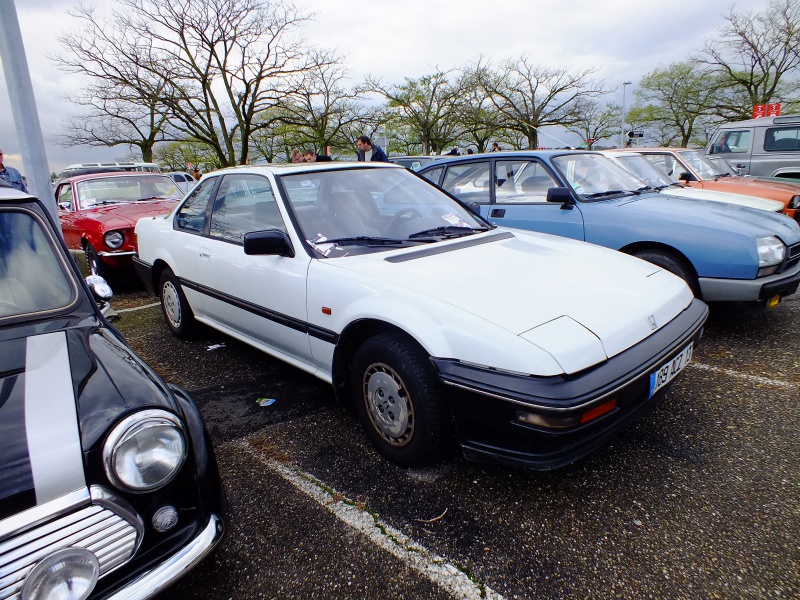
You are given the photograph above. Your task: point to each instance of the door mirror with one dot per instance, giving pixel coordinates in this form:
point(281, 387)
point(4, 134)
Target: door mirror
point(561, 195)
point(686, 176)
point(268, 242)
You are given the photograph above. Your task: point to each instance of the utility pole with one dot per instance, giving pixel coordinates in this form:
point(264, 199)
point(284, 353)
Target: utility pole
point(23, 108)
point(622, 124)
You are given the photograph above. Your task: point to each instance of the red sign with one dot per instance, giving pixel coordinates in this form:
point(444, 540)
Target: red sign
point(767, 110)
point(590, 141)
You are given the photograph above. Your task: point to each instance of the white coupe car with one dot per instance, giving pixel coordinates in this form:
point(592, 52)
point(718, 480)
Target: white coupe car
point(527, 348)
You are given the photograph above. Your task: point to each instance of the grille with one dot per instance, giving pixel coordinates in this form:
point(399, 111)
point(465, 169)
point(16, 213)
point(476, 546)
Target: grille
point(111, 538)
point(792, 257)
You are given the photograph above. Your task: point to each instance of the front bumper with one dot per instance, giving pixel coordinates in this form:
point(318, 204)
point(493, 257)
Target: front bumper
point(486, 403)
point(173, 568)
point(750, 290)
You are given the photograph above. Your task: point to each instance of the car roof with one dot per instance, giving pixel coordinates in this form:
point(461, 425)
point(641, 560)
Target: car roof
point(12, 194)
point(763, 122)
point(287, 168)
point(106, 174)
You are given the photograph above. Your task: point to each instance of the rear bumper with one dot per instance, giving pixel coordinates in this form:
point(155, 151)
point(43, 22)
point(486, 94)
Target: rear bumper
point(750, 290)
point(145, 272)
point(487, 404)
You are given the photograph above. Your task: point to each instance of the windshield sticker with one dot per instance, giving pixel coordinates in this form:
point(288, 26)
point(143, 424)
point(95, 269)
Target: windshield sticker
point(454, 220)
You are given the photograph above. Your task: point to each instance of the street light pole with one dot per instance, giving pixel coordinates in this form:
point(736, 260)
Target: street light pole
point(622, 124)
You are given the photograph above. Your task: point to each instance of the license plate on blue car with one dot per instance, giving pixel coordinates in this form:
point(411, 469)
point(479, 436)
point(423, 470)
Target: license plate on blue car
point(667, 372)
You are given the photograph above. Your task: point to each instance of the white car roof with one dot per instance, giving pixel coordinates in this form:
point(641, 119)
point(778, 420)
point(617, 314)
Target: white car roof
point(286, 168)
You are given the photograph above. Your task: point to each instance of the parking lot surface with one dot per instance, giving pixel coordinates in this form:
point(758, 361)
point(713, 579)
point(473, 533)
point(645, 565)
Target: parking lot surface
point(698, 500)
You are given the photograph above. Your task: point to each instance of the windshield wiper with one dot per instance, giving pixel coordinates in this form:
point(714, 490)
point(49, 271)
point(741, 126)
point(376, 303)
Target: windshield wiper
point(447, 231)
point(361, 239)
point(647, 188)
point(611, 193)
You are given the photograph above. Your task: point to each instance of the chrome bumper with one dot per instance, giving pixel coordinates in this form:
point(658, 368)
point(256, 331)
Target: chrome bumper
point(156, 580)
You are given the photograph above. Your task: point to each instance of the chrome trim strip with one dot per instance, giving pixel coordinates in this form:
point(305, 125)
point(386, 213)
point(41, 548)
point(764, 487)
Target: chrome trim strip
point(112, 254)
point(51, 419)
point(44, 512)
point(107, 499)
point(165, 574)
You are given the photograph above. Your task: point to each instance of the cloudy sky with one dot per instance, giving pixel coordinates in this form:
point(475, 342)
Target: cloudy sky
point(624, 39)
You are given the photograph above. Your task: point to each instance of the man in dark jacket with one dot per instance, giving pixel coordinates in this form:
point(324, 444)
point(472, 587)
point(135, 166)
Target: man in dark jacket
point(369, 152)
point(311, 156)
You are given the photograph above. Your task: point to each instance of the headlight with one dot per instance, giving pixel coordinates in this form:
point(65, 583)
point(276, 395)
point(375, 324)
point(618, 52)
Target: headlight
point(113, 239)
point(145, 451)
point(794, 202)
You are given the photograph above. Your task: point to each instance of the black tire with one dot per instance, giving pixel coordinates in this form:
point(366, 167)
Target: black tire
point(674, 264)
point(177, 313)
point(397, 397)
point(97, 265)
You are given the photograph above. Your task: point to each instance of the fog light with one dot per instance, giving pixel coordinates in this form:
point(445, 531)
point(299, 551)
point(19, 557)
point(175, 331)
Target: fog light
point(548, 421)
point(68, 574)
point(774, 301)
point(165, 519)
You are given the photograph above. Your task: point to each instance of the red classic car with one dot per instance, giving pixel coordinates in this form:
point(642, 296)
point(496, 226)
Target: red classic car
point(99, 212)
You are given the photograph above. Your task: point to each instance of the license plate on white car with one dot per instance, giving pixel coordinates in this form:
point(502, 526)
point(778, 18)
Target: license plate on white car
point(667, 372)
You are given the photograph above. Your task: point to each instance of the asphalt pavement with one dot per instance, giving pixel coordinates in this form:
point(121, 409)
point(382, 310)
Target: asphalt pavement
point(697, 500)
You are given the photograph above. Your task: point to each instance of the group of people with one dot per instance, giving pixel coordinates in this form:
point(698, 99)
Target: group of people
point(367, 152)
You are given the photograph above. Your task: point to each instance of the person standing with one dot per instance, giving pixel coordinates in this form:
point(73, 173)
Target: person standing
point(311, 156)
point(11, 176)
point(495, 147)
point(369, 152)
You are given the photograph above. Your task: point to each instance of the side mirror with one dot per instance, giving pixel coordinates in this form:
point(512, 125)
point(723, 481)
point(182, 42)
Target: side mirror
point(99, 287)
point(686, 176)
point(268, 242)
point(561, 195)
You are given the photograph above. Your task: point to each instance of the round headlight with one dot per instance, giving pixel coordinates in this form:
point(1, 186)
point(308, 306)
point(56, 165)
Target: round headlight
point(67, 574)
point(794, 202)
point(145, 451)
point(770, 251)
point(113, 239)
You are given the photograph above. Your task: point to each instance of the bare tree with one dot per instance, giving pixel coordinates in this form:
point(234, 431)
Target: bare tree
point(480, 118)
point(125, 90)
point(594, 122)
point(428, 106)
point(756, 55)
point(531, 96)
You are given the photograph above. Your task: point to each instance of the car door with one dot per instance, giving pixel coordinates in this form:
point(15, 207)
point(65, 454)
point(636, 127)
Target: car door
point(67, 212)
point(261, 298)
point(736, 145)
point(520, 200)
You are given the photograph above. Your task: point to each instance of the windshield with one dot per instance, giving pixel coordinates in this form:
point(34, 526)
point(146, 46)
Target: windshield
point(373, 209)
point(32, 278)
point(637, 165)
point(704, 168)
point(130, 188)
point(595, 176)
point(722, 165)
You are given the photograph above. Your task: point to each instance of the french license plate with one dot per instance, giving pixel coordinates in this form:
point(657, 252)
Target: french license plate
point(669, 370)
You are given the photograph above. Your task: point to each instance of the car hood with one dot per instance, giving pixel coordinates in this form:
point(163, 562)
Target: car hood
point(729, 197)
point(665, 208)
point(560, 294)
point(123, 216)
point(59, 393)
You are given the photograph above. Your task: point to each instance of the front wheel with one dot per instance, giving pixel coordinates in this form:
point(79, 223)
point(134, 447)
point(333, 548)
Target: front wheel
point(177, 312)
point(97, 265)
point(674, 264)
point(397, 396)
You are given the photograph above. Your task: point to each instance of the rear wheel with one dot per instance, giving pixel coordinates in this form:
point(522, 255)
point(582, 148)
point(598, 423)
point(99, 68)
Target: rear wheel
point(674, 264)
point(177, 312)
point(397, 397)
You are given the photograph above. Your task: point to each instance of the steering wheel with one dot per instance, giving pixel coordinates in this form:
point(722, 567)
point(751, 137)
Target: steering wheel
point(404, 215)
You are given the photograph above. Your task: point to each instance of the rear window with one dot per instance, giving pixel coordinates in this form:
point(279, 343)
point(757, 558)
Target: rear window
point(782, 139)
point(33, 276)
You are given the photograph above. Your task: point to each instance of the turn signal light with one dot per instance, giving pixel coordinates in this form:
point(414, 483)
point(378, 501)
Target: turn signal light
point(598, 411)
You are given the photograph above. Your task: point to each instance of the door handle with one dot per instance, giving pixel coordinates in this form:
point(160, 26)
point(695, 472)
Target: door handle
point(205, 254)
point(498, 212)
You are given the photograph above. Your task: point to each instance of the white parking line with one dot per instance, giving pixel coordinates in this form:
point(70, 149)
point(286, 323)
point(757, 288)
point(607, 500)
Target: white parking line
point(435, 568)
point(746, 377)
point(122, 310)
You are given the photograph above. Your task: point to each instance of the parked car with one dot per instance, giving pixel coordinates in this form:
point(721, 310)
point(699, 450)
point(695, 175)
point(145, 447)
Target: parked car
point(638, 166)
point(99, 211)
point(693, 168)
point(81, 168)
point(184, 181)
point(415, 163)
point(723, 251)
point(108, 482)
point(768, 146)
point(529, 349)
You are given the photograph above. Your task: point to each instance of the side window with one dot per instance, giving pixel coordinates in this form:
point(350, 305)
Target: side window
point(729, 141)
point(192, 213)
point(666, 164)
point(520, 181)
point(782, 140)
point(244, 203)
point(433, 175)
point(470, 182)
point(65, 197)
